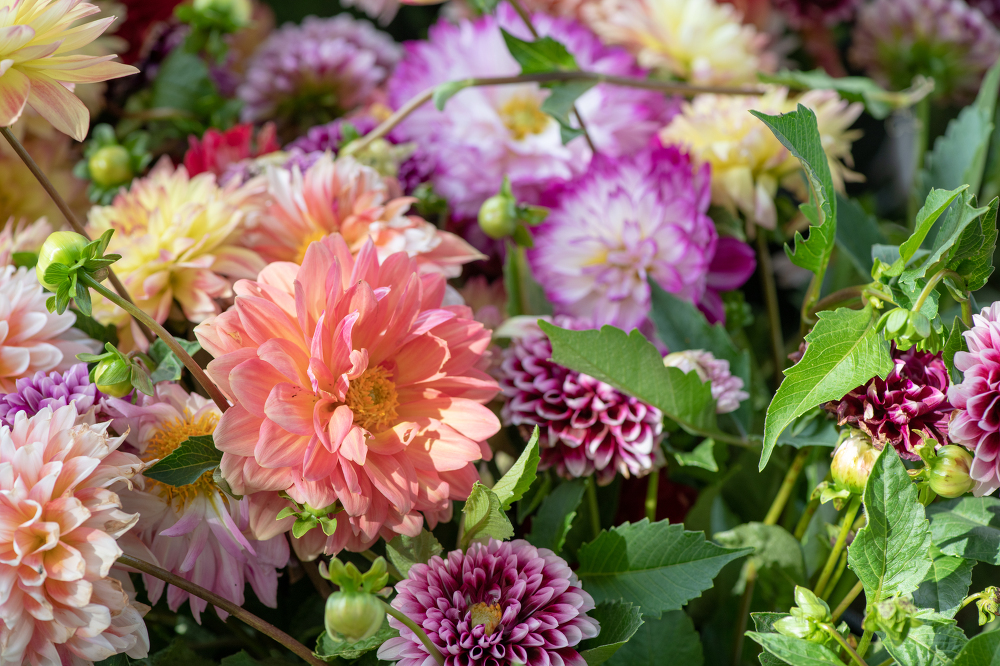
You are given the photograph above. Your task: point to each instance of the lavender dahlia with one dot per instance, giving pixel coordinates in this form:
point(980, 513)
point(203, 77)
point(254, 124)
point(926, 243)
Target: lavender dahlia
point(53, 390)
point(727, 390)
point(497, 603)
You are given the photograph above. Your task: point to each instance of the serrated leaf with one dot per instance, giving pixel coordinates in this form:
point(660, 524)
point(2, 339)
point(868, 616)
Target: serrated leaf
point(512, 486)
point(967, 527)
point(981, 650)
point(777, 557)
point(328, 648)
point(935, 205)
point(844, 351)
point(764, 623)
point(404, 551)
point(954, 344)
point(878, 101)
point(795, 650)
point(671, 634)
point(168, 366)
point(619, 622)
point(483, 516)
point(551, 524)
point(973, 258)
point(445, 91)
point(946, 584)
point(541, 55)
point(857, 233)
point(658, 566)
point(947, 242)
point(192, 458)
point(702, 456)
point(889, 554)
point(935, 642)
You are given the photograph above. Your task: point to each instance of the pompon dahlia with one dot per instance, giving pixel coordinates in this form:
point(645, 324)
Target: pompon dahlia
point(343, 196)
point(909, 405)
point(586, 426)
point(496, 603)
point(217, 151)
point(895, 40)
point(178, 238)
point(353, 386)
point(32, 339)
point(309, 74)
point(60, 521)
point(484, 133)
point(53, 390)
point(726, 388)
point(194, 531)
point(748, 162)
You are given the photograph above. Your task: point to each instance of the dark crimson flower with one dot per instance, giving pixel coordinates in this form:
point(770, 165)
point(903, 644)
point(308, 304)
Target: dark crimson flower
point(828, 12)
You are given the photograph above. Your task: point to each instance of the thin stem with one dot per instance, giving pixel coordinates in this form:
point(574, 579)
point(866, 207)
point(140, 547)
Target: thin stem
point(879, 294)
point(652, 493)
point(837, 298)
point(781, 499)
point(64, 208)
point(139, 315)
point(418, 630)
point(831, 561)
point(969, 599)
point(931, 284)
point(888, 662)
point(967, 312)
point(866, 639)
point(848, 600)
point(224, 604)
point(595, 511)
point(803, 524)
point(771, 301)
point(744, 612)
point(855, 657)
point(841, 565)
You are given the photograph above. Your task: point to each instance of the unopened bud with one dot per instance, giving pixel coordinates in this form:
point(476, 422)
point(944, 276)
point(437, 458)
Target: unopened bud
point(61, 247)
point(949, 473)
point(893, 617)
point(498, 216)
point(110, 166)
point(853, 461)
point(237, 11)
point(106, 376)
point(811, 606)
point(353, 615)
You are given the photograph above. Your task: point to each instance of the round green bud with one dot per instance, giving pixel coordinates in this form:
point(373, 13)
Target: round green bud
point(110, 166)
point(103, 369)
point(810, 606)
point(498, 216)
point(353, 615)
point(238, 11)
point(61, 247)
point(853, 461)
point(949, 474)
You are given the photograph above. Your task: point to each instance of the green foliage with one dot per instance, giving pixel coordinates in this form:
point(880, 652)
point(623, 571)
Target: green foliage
point(524, 295)
point(702, 456)
point(672, 636)
point(777, 558)
point(539, 56)
point(484, 517)
point(619, 622)
point(936, 642)
point(331, 649)
point(934, 206)
point(795, 650)
point(405, 551)
point(946, 583)
point(967, 527)
point(954, 344)
point(512, 486)
point(168, 366)
point(185, 464)
point(878, 101)
point(857, 233)
point(551, 524)
point(982, 650)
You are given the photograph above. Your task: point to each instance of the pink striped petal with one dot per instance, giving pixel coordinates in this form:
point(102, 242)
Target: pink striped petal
point(15, 89)
point(59, 106)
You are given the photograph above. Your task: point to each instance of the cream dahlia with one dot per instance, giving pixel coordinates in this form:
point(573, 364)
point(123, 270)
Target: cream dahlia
point(355, 388)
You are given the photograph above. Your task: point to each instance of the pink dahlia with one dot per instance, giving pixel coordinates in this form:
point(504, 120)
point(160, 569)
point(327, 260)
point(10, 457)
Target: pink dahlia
point(52, 390)
point(345, 197)
point(217, 151)
point(484, 133)
point(32, 339)
point(587, 427)
point(909, 405)
point(60, 521)
point(726, 389)
point(497, 603)
point(354, 388)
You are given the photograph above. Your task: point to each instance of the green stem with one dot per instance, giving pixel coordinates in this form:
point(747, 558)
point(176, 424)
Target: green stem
point(595, 510)
point(931, 284)
point(967, 312)
point(888, 662)
point(771, 301)
point(831, 561)
point(847, 600)
point(855, 657)
point(744, 612)
point(866, 639)
point(841, 565)
point(418, 630)
point(196, 370)
point(879, 294)
point(836, 299)
point(922, 113)
point(969, 599)
point(652, 492)
point(803, 524)
point(781, 499)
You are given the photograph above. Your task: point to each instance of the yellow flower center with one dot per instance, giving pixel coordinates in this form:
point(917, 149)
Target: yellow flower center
point(372, 397)
point(168, 437)
point(487, 615)
point(317, 235)
point(523, 116)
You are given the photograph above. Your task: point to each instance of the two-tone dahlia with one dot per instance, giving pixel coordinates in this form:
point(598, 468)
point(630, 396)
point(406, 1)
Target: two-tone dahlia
point(32, 339)
point(53, 390)
point(178, 237)
point(354, 388)
point(910, 404)
point(496, 603)
point(727, 389)
point(217, 151)
point(343, 196)
point(485, 133)
point(748, 162)
point(194, 531)
point(586, 426)
point(947, 40)
point(60, 523)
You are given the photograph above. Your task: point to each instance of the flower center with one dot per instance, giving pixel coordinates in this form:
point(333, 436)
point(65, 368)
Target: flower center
point(372, 397)
point(486, 615)
point(522, 116)
point(313, 237)
point(167, 438)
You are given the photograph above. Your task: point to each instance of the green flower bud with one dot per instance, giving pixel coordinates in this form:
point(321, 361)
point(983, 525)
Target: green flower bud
point(498, 216)
point(810, 606)
point(111, 368)
point(853, 461)
point(110, 166)
point(894, 617)
point(949, 473)
point(237, 11)
point(800, 627)
point(988, 605)
point(353, 615)
point(61, 247)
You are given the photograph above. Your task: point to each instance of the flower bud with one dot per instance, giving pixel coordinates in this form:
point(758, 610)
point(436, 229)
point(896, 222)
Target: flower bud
point(852, 462)
point(61, 247)
point(810, 606)
point(110, 166)
point(893, 617)
point(498, 216)
point(949, 474)
point(107, 369)
point(353, 615)
point(237, 11)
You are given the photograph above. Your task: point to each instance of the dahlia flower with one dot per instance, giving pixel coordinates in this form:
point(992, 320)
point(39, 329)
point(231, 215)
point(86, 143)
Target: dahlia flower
point(328, 137)
point(909, 405)
point(308, 74)
point(989, 8)
point(60, 522)
point(699, 41)
point(53, 390)
point(571, 9)
point(177, 237)
point(727, 390)
point(20, 236)
point(748, 162)
point(352, 385)
point(896, 40)
point(509, 600)
point(484, 133)
point(586, 427)
point(216, 151)
point(194, 531)
point(32, 339)
point(824, 12)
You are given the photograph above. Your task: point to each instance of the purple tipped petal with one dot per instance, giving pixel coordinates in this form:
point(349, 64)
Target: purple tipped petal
point(53, 390)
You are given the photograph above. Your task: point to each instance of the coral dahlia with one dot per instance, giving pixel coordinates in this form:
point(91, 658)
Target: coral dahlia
point(355, 388)
point(52, 390)
point(496, 603)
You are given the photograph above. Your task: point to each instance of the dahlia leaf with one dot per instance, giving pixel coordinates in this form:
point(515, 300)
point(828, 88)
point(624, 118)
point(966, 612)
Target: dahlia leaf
point(560, 103)
point(946, 584)
point(948, 241)
point(332, 650)
point(555, 516)
point(777, 557)
point(967, 527)
point(483, 516)
point(878, 101)
point(936, 203)
point(195, 456)
point(973, 257)
point(889, 555)
point(139, 379)
point(542, 55)
point(672, 634)
point(954, 344)
point(168, 366)
point(937, 641)
point(405, 551)
point(795, 650)
point(702, 456)
point(981, 650)
point(512, 485)
point(658, 566)
point(619, 622)
point(533, 498)
point(764, 623)
point(857, 233)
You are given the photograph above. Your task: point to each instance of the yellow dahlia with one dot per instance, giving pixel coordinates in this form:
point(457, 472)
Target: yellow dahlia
point(748, 162)
point(36, 68)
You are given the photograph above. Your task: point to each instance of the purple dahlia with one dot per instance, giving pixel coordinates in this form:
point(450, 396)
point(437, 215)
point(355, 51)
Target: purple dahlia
point(726, 389)
point(496, 604)
point(909, 405)
point(989, 8)
point(586, 426)
point(52, 390)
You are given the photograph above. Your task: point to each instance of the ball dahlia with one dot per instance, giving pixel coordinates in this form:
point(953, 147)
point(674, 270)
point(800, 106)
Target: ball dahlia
point(496, 603)
point(60, 521)
point(354, 388)
point(727, 390)
point(53, 390)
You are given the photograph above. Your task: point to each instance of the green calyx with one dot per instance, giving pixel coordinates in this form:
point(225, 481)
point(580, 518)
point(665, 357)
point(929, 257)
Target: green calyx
point(894, 617)
point(64, 258)
point(501, 216)
point(116, 374)
point(806, 619)
point(109, 164)
point(354, 613)
point(308, 518)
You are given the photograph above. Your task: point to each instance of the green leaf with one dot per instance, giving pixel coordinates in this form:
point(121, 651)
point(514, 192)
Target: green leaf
point(967, 527)
point(95, 330)
point(483, 516)
point(702, 456)
point(981, 650)
point(524, 295)
point(814, 428)
point(672, 634)
point(195, 456)
point(857, 233)
point(973, 258)
point(795, 650)
point(512, 486)
point(542, 55)
point(936, 642)
point(404, 551)
point(56, 273)
point(140, 379)
point(949, 240)
point(559, 104)
point(764, 623)
point(658, 566)
point(878, 101)
point(954, 344)
point(445, 91)
point(619, 622)
point(889, 554)
point(777, 558)
point(551, 524)
point(946, 584)
point(24, 259)
point(533, 498)
point(168, 366)
point(328, 648)
point(934, 206)
point(844, 351)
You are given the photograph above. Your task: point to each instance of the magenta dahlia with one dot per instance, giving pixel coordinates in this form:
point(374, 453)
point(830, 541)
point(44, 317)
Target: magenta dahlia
point(909, 405)
point(52, 390)
point(587, 427)
point(498, 603)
